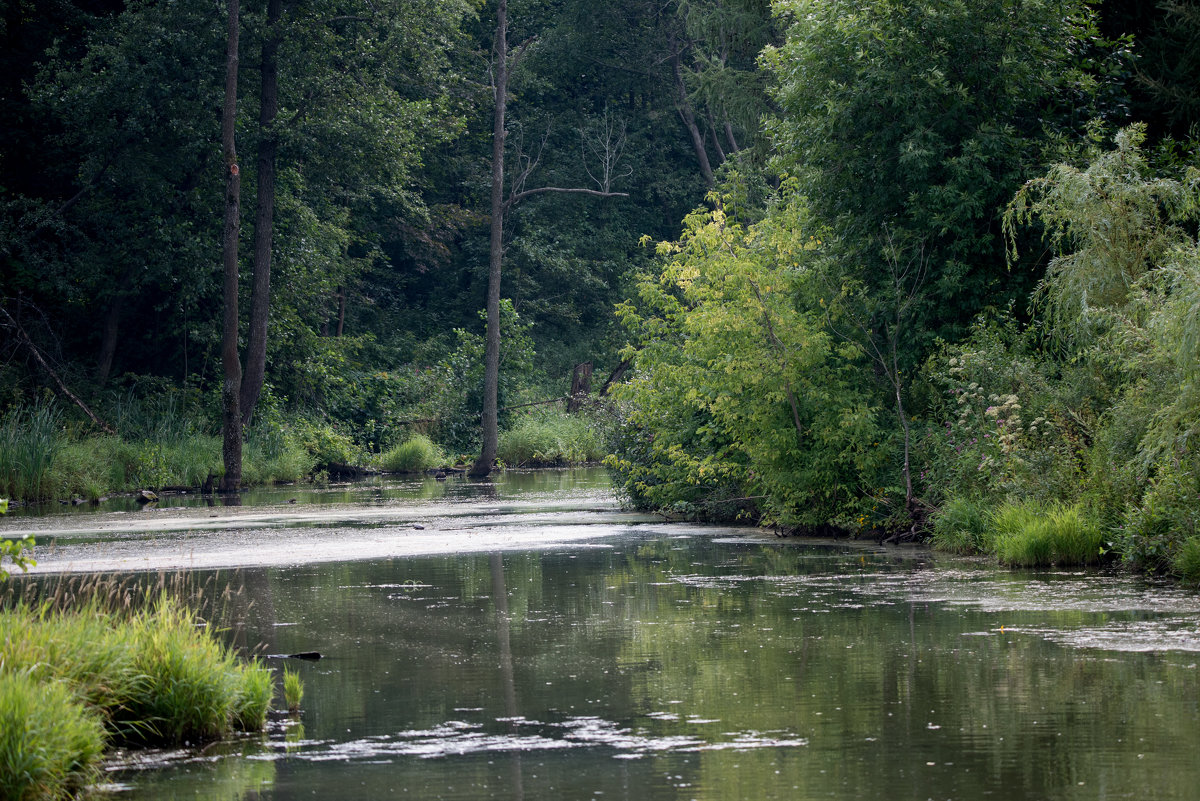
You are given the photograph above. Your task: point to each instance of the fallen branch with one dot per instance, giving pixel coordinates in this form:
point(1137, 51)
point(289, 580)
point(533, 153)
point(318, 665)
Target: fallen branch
point(37, 355)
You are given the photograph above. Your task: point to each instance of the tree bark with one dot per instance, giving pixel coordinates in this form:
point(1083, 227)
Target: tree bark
point(581, 386)
point(491, 374)
point(689, 120)
point(231, 389)
point(264, 221)
point(108, 342)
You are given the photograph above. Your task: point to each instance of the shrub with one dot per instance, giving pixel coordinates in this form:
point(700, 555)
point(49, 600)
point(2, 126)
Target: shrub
point(50, 743)
point(276, 453)
point(414, 455)
point(1166, 518)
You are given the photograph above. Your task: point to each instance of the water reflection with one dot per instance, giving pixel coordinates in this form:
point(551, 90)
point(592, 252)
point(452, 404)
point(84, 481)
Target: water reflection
point(677, 666)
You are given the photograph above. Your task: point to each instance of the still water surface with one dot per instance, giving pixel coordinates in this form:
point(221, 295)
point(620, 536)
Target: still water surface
point(655, 661)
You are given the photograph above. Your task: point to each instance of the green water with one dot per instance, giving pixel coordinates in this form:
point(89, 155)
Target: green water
point(669, 662)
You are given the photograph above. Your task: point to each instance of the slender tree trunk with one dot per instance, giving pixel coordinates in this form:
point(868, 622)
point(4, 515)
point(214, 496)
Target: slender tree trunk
point(231, 389)
point(341, 326)
point(733, 145)
point(491, 376)
point(712, 128)
point(689, 120)
point(264, 221)
point(108, 342)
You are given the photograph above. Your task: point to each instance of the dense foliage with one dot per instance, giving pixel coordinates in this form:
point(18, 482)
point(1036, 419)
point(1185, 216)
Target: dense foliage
point(937, 261)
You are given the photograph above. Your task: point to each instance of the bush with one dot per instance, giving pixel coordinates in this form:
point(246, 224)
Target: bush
point(50, 743)
point(549, 438)
point(416, 454)
point(1166, 518)
point(275, 453)
point(326, 445)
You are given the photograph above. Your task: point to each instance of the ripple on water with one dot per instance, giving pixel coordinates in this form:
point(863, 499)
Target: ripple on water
point(1167, 613)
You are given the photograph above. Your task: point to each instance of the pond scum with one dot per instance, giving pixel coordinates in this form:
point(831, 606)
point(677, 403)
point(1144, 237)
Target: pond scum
point(105, 664)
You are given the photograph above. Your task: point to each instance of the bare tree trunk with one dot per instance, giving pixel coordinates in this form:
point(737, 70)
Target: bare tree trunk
point(733, 145)
point(581, 385)
point(491, 375)
point(108, 342)
point(264, 220)
point(341, 326)
point(689, 120)
point(231, 389)
point(712, 129)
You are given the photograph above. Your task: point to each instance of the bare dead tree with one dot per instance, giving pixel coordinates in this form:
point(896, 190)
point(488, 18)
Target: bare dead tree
point(604, 140)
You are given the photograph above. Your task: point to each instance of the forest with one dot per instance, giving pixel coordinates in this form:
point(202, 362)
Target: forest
point(899, 270)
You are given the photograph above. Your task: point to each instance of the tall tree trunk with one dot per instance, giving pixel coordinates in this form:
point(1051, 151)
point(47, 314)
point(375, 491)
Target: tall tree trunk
point(231, 389)
point(689, 120)
point(264, 221)
point(491, 375)
point(108, 342)
point(341, 326)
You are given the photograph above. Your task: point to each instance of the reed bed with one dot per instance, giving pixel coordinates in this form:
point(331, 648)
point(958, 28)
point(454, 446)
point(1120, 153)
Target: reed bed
point(129, 658)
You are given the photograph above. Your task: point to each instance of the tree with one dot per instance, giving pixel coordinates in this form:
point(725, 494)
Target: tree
point(505, 59)
point(264, 219)
point(231, 425)
point(742, 399)
point(921, 120)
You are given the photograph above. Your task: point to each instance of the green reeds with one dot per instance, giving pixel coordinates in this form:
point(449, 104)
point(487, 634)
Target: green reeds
point(1029, 534)
point(961, 526)
point(549, 438)
point(50, 743)
point(293, 689)
point(151, 674)
point(30, 441)
point(415, 455)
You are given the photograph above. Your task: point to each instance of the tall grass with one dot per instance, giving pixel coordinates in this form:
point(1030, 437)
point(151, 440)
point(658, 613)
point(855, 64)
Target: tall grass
point(155, 675)
point(50, 743)
point(550, 438)
point(961, 526)
point(30, 441)
point(1029, 534)
point(293, 689)
point(416, 454)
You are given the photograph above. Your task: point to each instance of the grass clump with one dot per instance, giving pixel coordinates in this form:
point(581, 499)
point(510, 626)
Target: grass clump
point(1030, 534)
point(551, 438)
point(293, 689)
point(1187, 560)
point(416, 454)
point(50, 742)
point(961, 526)
point(157, 676)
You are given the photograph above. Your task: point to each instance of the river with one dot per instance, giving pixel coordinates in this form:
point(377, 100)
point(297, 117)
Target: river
point(527, 639)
